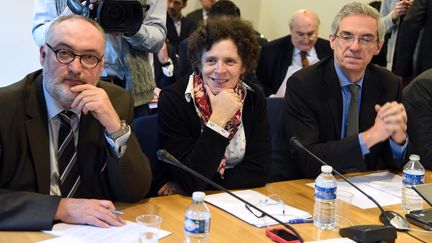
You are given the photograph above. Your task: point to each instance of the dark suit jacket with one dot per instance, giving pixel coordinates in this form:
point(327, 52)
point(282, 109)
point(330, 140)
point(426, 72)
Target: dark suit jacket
point(417, 18)
point(187, 27)
point(276, 57)
point(196, 16)
point(161, 80)
point(417, 97)
point(312, 112)
point(202, 149)
point(25, 162)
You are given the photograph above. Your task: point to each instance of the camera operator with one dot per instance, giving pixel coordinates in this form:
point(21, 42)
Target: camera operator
point(126, 56)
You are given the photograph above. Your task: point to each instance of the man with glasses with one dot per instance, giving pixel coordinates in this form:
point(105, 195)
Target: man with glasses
point(282, 57)
point(343, 109)
point(65, 137)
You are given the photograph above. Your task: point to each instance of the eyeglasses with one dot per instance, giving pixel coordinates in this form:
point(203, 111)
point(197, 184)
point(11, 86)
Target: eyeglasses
point(305, 36)
point(271, 200)
point(66, 57)
point(364, 40)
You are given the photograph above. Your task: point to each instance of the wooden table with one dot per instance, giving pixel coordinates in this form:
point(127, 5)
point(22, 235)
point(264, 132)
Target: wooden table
point(227, 228)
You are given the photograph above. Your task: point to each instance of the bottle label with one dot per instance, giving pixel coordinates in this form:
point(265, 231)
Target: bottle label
point(197, 226)
point(410, 179)
point(325, 193)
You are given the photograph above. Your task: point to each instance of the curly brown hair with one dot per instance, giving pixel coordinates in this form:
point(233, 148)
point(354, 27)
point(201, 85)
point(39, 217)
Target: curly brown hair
point(220, 28)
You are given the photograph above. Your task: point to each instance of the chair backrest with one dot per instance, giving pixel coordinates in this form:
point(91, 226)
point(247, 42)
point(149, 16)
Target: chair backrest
point(146, 131)
point(274, 107)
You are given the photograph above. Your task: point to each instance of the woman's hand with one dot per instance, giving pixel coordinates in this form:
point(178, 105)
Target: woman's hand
point(224, 105)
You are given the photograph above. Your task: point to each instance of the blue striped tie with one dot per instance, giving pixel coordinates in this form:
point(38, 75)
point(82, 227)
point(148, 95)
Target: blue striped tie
point(67, 156)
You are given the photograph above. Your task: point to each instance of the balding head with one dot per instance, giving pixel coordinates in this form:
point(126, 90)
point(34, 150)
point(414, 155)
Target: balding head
point(304, 29)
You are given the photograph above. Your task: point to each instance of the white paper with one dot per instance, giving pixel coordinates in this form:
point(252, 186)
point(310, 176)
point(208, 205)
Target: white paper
point(238, 209)
point(384, 187)
point(86, 233)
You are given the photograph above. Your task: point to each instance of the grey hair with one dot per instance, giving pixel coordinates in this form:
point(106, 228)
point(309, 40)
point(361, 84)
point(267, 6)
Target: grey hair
point(302, 11)
point(356, 8)
point(61, 19)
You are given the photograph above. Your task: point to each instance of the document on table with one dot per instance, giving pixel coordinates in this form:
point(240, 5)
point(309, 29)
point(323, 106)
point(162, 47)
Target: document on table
point(263, 202)
point(384, 187)
point(86, 233)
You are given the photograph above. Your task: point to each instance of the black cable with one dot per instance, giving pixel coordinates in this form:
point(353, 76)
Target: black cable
point(415, 237)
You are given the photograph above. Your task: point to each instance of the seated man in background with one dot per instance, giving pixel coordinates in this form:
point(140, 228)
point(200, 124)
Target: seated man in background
point(417, 98)
point(343, 109)
point(65, 140)
point(282, 57)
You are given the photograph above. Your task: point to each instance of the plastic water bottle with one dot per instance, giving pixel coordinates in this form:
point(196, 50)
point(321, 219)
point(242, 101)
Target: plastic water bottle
point(324, 216)
point(197, 220)
point(413, 174)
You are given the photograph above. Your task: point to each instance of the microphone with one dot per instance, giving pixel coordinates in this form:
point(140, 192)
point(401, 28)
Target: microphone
point(163, 155)
point(389, 218)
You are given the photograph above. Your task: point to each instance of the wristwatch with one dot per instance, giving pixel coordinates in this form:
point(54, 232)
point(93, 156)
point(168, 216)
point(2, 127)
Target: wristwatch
point(122, 131)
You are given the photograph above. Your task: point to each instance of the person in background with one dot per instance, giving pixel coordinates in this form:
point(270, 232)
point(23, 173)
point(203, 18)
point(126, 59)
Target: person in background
point(343, 109)
point(392, 12)
point(178, 26)
point(215, 122)
point(282, 57)
point(67, 149)
point(165, 63)
point(414, 42)
point(127, 58)
point(200, 15)
point(417, 98)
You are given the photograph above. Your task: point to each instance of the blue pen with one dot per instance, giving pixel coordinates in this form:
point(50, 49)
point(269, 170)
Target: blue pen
point(299, 221)
point(117, 212)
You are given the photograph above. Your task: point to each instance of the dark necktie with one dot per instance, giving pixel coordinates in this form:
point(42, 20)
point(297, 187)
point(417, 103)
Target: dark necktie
point(304, 60)
point(353, 113)
point(67, 156)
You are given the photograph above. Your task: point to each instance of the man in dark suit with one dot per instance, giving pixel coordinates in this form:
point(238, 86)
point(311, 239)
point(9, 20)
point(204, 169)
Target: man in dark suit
point(282, 57)
point(178, 26)
point(358, 130)
point(417, 98)
point(408, 62)
point(200, 15)
point(66, 149)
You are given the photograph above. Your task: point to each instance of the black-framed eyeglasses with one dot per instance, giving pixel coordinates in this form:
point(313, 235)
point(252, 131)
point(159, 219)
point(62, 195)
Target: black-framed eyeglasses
point(64, 56)
point(364, 40)
point(305, 36)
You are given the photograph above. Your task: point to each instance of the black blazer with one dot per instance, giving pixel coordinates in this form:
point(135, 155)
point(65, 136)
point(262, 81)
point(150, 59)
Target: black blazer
point(417, 98)
point(312, 112)
point(187, 27)
point(202, 149)
point(25, 162)
point(196, 16)
point(418, 18)
point(276, 57)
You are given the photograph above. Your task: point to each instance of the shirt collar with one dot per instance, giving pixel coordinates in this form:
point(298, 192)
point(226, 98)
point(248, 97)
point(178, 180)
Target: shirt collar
point(311, 52)
point(343, 78)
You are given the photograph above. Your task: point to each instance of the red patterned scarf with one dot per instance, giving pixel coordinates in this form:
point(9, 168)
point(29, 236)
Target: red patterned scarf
point(202, 102)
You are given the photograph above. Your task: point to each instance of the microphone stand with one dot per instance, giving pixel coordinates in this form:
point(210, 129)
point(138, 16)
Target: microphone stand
point(397, 222)
point(163, 155)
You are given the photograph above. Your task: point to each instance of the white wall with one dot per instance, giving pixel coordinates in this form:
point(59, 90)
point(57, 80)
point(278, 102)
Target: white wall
point(19, 53)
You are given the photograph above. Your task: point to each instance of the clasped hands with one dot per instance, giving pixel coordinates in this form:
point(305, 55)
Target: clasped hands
point(390, 122)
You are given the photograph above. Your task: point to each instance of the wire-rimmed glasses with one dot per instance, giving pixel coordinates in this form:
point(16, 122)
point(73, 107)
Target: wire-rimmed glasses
point(64, 56)
point(364, 40)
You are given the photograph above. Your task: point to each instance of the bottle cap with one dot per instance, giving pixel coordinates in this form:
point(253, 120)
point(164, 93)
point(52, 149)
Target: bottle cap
point(198, 196)
point(326, 169)
point(414, 157)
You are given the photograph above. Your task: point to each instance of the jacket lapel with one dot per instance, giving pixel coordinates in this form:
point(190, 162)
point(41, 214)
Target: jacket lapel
point(333, 95)
point(38, 135)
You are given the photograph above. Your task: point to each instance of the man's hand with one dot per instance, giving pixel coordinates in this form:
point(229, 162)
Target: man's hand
point(88, 211)
point(395, 120)
point(95, 100)
point(224, 105)
point(390, 121)
point(400, 9)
